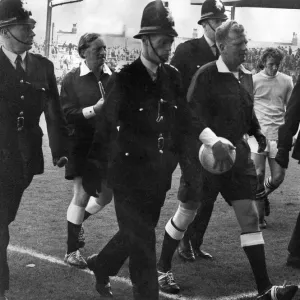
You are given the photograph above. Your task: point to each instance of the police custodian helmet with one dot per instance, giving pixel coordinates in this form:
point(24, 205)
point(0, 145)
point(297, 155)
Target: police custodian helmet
point(156, 19)
point(212, 9)
point(12, 12)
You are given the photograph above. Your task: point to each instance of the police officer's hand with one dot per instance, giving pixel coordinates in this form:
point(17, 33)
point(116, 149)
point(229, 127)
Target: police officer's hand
point(221, 153)
point(261, 140)
point(98, 106)
point(60, 162)
point(282, 158)
point(91, 179)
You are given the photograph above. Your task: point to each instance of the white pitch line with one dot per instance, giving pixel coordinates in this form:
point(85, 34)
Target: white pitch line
point(124, 280)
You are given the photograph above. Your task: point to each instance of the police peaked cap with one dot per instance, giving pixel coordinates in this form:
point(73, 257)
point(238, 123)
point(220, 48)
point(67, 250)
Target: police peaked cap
point(156, 19)
point(12, 12)
point(212, 9)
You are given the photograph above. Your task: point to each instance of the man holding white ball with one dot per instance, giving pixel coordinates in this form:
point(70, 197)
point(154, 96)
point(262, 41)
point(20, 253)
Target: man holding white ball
point(221, 102)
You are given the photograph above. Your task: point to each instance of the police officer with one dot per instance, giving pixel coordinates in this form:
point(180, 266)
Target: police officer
point(285, 143)
point(188, 58)
point(146, 99)
point(27, 89)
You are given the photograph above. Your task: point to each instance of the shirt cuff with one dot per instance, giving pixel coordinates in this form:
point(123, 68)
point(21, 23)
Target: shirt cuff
point(208, 137)
point(89, 112)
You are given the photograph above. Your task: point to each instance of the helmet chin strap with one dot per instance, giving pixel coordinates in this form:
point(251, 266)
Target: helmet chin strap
point(162, 60)
point(24, 43)
point(214, 30)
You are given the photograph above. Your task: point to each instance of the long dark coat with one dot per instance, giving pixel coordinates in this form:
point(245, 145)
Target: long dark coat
point(21, 154)
point(21, 151)
point(134, 161)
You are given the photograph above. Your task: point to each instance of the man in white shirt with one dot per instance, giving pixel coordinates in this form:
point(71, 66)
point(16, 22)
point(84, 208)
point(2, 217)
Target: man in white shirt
point(272, 90)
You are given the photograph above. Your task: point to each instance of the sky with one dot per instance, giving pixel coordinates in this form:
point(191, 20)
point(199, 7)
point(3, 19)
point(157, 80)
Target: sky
point(109, 16)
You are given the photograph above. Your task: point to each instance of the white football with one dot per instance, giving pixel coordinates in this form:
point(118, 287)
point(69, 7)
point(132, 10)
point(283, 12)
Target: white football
point(207, 159)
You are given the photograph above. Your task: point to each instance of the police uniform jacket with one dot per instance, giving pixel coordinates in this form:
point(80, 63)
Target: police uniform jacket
point(189, 57)
point(291, 124)
point(223, 103)
point(36, 94)
point(153, 118)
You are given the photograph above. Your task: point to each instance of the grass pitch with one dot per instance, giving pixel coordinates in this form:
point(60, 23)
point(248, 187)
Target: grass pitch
point(41, 226)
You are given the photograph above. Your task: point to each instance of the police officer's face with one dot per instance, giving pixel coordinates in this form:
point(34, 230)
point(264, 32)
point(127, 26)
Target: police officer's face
point(20, 38)
point(235, 49)
point(95, 54)
point(271, 66)
point(210, 27)
point(162, 45)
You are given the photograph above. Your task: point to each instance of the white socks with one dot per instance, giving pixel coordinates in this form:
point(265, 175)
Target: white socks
point(75, 214)
point(177, 225)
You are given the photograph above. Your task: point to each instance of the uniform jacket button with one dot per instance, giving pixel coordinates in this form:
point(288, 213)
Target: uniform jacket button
point(22, 97)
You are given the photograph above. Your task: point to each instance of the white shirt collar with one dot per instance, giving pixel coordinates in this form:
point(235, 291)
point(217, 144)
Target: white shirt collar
point(222, 68)
point(149, 65)
point(13, 56)
point(106, 69)
point(209, 41)
point(84, 69)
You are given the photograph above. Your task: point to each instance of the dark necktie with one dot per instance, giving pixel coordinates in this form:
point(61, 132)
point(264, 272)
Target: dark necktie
point(216, 50)
point(19, 69)
point(157, 75)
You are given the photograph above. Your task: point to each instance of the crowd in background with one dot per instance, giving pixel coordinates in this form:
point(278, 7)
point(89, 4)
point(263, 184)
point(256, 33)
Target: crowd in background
point(65, 57)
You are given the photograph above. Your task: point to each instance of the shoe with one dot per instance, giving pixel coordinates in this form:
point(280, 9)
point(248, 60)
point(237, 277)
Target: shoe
point(285, 292)
point(75, 259)
point(293, 261)
point(202, 254)
point(81, 238)
point(185, 250)
point(167, 283)
point(262, 224)
point(103, 286)
point(267, 207)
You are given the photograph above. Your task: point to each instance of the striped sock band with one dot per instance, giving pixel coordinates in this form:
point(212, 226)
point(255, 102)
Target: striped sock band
point(173, 231)
point(260, 194)
point(252, 239)
point(269, 185)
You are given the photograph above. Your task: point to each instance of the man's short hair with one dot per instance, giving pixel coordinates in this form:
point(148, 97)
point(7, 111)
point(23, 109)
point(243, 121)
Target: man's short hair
point(85, 41)
point(222, 32)
point(275, 53)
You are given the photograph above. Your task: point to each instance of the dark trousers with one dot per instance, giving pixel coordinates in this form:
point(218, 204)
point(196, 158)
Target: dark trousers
point(137, 215)
point(11, 191)
point(294, 245)
point(197, 228)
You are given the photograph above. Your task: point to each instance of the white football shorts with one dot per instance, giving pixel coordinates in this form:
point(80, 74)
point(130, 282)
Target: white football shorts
point(270, 151)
